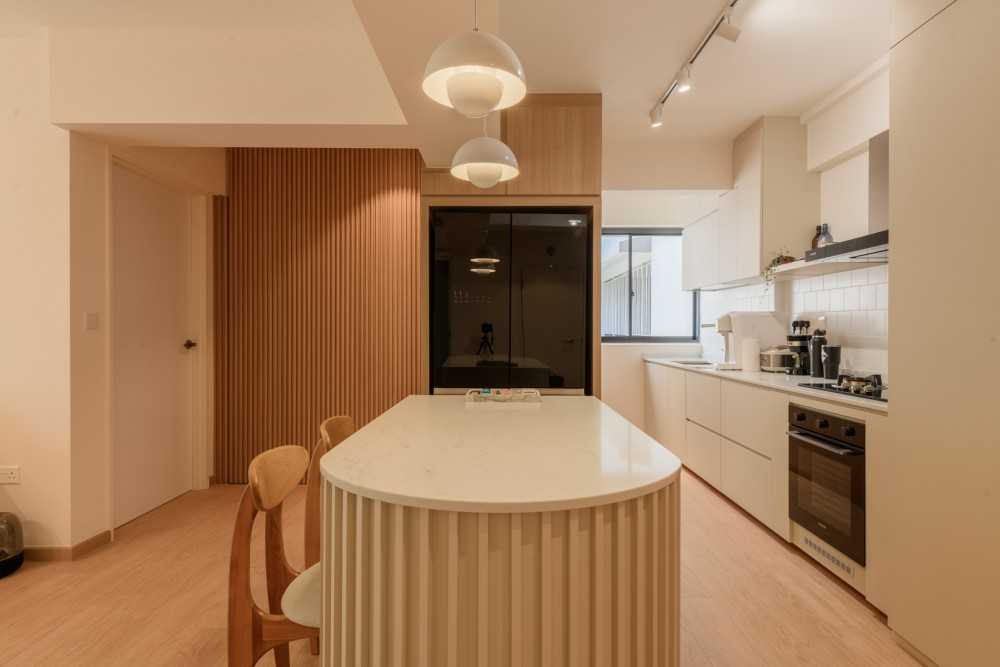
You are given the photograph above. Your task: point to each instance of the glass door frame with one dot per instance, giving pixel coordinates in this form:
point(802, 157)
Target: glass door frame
point(587, 211)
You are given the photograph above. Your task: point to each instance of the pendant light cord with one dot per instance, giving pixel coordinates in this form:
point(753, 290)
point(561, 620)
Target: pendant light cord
point(475, 5)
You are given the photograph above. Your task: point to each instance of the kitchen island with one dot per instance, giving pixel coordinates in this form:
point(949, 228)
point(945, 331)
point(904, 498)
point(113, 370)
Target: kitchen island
point(462, 533)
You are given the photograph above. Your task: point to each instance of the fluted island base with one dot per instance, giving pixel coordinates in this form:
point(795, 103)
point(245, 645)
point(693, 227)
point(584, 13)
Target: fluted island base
point(408, 586)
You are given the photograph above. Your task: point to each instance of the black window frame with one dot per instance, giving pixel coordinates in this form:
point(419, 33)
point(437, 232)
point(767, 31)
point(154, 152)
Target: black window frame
point(695, 294)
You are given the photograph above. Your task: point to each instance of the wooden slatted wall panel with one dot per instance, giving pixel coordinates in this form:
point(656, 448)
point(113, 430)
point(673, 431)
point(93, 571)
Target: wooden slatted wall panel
point(317, 278)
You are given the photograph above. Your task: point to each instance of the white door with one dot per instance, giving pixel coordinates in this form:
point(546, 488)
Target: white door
point(152, 416)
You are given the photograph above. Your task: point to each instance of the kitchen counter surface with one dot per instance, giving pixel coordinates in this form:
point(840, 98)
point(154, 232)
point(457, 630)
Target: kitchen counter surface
point(777, 381)
point(439, 452)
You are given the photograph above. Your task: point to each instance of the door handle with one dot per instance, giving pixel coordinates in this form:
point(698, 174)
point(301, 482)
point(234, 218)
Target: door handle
point(816, 442)
point(188, 344)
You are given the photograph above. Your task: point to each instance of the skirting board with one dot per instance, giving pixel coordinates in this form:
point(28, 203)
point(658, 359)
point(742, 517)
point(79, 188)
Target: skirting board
point(913, 651)
point(68, 553)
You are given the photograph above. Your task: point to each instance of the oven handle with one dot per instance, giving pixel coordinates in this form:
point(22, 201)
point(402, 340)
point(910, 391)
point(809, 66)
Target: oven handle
point(816, 442)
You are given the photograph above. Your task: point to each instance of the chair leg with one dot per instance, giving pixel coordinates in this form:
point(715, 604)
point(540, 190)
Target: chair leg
point(281, 658)
point(314, 645)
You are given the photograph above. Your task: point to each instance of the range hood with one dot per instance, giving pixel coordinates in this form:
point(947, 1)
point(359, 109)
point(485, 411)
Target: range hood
point(871, 248)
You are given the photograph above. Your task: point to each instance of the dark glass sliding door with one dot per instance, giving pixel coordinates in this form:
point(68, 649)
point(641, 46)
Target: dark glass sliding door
point(510, 298)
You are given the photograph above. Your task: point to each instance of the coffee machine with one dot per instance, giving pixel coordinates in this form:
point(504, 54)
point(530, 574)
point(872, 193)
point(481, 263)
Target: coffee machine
point(737, 327)
point(798, 344)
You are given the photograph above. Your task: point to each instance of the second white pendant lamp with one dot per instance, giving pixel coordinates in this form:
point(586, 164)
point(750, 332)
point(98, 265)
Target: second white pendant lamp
point(475, 73)
point(484, 162)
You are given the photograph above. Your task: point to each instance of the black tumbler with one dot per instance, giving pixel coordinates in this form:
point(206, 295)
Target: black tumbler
point(831, 361)
point(816, 344)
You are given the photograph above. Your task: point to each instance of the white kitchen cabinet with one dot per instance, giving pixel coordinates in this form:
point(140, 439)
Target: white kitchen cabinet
point(703, 400)
point(700, 253)
point(729, 251)
point(656, 391)
point(704, 453)
point(664, 408)
point(747, 478)
point(934, 472)
point(773, 208)
point(755, 417)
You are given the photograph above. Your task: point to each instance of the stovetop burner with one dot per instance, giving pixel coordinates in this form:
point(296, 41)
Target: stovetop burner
point(875, 392)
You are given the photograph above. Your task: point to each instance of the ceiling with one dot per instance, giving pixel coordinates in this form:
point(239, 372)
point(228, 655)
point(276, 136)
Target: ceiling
point(791, 53)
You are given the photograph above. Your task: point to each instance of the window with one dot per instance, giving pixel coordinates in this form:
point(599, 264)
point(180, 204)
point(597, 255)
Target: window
point(641, 295)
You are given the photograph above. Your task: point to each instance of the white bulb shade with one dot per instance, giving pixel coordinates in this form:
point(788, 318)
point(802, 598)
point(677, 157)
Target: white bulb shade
point(474, 94)
point(482, 270)
point(484, 175)
point(478, 53)
point(484, 161)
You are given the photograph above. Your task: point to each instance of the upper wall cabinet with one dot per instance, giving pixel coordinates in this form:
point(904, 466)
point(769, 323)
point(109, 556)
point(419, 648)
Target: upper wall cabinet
point(908, 15)
point(700, 253)
point(772, 208)
point(557, 141)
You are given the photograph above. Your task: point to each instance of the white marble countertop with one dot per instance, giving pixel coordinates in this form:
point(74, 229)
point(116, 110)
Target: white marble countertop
point(440, 453)
point(778, 381)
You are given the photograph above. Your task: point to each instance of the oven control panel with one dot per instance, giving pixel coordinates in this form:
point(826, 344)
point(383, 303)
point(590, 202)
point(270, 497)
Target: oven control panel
point(827, 425)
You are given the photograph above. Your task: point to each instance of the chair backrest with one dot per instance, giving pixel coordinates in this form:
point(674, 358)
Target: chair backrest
point(273, 475)
point(332, 432)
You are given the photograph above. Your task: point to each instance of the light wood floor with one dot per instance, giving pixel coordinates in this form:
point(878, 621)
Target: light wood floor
point(157, 596)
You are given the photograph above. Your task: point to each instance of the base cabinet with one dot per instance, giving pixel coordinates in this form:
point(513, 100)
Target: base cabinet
point(746, 477)
point(704, 453)
point(664, 408)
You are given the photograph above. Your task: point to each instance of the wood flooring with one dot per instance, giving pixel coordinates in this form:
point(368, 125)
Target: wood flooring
point(157, 595)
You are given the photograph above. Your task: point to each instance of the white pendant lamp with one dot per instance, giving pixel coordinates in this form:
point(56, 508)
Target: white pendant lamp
point(484, 162)
point(475, 73)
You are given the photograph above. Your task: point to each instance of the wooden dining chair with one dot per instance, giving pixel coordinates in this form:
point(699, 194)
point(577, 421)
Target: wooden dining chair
point(253, 631)
point(332, 432)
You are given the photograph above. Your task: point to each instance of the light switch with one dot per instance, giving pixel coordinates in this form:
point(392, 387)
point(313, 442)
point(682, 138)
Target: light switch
point(92, 321)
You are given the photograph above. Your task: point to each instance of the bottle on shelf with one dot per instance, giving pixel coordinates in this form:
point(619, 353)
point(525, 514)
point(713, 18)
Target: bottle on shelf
point(825, 237)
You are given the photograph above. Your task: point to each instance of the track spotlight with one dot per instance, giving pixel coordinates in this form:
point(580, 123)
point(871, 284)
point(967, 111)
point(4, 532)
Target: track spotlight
point(726, 29)
point(656, 116)
point(684, 83)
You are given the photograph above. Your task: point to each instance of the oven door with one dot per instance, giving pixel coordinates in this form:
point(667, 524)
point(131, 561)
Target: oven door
point(826, 491)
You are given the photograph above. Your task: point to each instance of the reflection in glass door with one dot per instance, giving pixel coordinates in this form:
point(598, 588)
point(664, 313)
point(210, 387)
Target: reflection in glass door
point(549, 308)
point(470, 328)
point(510, 299)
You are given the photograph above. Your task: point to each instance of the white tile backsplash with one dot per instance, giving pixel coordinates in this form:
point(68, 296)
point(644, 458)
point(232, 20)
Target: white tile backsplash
point(851, 305)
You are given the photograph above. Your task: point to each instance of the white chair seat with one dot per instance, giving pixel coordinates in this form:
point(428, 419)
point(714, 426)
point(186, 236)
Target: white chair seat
point(302, 599)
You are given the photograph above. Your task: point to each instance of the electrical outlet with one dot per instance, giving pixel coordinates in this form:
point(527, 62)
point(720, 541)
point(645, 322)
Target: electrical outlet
point(10, 474)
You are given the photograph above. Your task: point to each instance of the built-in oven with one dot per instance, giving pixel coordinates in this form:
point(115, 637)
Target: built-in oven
point(826, 480)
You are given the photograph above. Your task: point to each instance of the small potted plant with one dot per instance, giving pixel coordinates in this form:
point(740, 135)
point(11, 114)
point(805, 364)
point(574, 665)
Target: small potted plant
point(781, 258)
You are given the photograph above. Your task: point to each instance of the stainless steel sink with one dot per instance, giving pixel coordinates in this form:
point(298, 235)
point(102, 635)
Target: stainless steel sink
point(693, 362)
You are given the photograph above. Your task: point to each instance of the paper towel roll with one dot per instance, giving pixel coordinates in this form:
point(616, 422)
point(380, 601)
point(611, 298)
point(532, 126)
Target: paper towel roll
point(750, 351)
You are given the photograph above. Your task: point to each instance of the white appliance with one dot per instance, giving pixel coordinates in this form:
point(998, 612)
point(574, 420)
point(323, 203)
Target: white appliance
point(758, 329)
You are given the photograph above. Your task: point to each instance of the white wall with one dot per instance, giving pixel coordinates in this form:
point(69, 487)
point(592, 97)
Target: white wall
point(623, 380)
point(35, 291)
point(53, 272)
